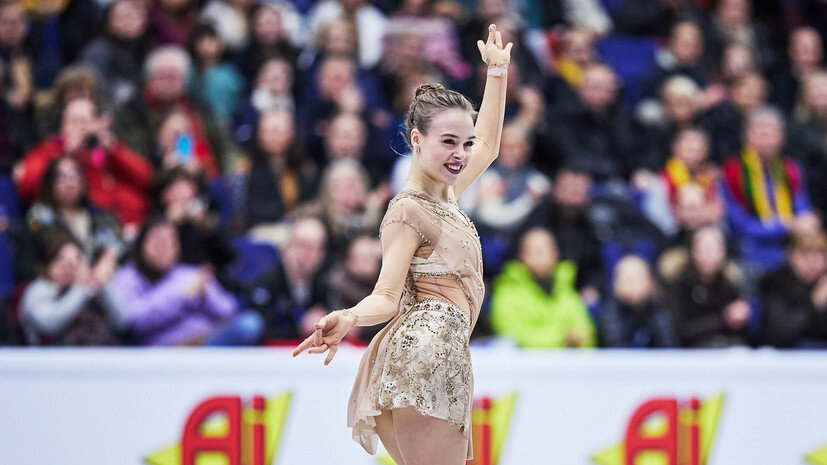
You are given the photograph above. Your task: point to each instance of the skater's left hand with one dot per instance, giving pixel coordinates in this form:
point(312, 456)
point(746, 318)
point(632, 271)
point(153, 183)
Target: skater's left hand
point(492, 50)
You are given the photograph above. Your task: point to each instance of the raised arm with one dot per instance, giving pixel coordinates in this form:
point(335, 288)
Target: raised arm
point(489, 125)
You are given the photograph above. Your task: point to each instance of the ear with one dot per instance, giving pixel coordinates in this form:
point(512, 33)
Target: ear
point(415, 138)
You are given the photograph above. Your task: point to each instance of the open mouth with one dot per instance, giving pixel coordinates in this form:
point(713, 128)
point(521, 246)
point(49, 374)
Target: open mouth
point(453, 168)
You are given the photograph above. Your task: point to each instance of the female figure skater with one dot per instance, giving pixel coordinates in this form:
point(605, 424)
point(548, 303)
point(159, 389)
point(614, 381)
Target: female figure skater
point(414, 387)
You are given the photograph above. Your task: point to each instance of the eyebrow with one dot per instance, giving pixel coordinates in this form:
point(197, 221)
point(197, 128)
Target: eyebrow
point(452, 135)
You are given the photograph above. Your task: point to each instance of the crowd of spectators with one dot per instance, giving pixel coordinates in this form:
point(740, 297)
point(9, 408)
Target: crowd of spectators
point(213, 172)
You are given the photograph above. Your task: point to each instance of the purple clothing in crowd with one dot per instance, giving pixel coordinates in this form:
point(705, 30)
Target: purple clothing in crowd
point(161, 313)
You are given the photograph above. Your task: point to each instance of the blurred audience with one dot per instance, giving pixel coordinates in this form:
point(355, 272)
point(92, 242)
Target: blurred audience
point(684, 56)
point(68, 304)
point(268, 39)
point(280, 176)
point(346, 205)
point(63, 204)
point(272, 90)
point(274, 128)
point(116, 177)
point(166, 70)
point(180, 197)
point(685, 195)
point(706, 298)
point(160, 301)
point(565, 213)
point(634, 316)
point(795, 296)
point(805, 55)
point(594, 131)
point(290, 296)
point(534, 301)
point(765, 193)
point(352, 279)
point(511, 188)
point(214, 80)
point(370, 25)
point(118, 52)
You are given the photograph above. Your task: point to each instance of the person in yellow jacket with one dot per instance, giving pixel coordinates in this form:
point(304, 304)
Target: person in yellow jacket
point(534, 301)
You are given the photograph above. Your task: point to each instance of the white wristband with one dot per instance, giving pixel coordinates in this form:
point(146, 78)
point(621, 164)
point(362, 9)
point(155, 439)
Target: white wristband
point(497, 70)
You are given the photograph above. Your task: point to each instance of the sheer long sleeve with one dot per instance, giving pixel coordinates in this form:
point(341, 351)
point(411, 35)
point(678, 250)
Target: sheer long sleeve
point(401, 234)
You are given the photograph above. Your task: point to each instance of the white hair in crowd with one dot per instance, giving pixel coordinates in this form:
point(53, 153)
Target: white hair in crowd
point(344, 166)
point(681, 86)
point(166, 54)
point(763, 112)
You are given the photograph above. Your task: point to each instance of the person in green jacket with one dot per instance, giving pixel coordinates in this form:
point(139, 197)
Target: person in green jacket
point(534, 301)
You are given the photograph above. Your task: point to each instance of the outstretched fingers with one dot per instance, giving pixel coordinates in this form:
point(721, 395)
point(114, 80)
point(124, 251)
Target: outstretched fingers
point(304, 345)
point(481, 47)
point(498, 40)
point(508, 48)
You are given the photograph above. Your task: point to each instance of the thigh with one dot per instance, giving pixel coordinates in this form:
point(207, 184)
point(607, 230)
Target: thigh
point(387, 434)
point(426, 440)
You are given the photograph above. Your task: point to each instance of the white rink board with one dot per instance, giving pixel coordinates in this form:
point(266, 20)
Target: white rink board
point(114, 406)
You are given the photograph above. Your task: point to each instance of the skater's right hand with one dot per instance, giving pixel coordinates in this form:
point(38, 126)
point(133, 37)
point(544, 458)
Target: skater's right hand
point(329, 332)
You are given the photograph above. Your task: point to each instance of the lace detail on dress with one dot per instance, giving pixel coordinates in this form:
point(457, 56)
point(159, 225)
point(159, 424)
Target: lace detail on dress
point(428, 364)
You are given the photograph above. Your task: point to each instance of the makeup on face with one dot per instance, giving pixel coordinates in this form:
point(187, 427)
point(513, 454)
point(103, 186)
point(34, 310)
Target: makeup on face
point(446, 149)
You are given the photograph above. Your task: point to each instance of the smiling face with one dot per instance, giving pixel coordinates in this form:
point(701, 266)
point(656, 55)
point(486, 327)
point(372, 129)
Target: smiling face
point(444, 152)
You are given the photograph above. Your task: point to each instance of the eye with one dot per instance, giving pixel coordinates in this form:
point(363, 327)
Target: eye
point(470, 143)
point(449, 141)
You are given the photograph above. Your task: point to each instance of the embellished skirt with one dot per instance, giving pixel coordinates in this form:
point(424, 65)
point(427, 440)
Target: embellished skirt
point(420, 360)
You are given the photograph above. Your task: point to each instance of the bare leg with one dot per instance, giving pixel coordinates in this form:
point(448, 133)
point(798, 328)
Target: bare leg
point(387, 434)
point(425, 440)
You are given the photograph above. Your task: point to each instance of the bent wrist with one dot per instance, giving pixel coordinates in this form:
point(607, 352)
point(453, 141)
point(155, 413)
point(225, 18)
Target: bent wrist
point(350, 316)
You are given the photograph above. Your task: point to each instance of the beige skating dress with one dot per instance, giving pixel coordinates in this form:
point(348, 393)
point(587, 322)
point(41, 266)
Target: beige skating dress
point(421, 358)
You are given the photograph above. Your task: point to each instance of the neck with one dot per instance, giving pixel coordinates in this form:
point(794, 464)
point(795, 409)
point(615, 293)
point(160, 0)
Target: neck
point(421, 182)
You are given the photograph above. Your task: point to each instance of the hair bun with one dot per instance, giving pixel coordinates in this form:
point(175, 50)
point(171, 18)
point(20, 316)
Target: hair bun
point(428, 88)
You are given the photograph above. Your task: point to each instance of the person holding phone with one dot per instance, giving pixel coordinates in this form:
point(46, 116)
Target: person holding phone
point(116, 176)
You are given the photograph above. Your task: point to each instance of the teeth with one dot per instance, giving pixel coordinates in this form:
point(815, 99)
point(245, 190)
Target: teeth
point(454, 167)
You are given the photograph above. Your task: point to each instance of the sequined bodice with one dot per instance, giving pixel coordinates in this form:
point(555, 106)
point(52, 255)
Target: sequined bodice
point(450, 253)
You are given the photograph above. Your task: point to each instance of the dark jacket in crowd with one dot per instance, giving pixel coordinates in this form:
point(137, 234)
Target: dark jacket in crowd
point(263, 195)
point(789, 317)
point(622, 325)
point(601, 145)
point(805, 143)
point(698, 310)
point(118, 63)
point(724, 124)
point(281, 304)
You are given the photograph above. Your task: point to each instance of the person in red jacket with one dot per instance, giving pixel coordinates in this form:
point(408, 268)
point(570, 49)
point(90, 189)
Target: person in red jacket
point(117, 177)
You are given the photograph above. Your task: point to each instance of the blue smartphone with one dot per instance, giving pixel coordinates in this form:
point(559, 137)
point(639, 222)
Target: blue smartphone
point(183, 147)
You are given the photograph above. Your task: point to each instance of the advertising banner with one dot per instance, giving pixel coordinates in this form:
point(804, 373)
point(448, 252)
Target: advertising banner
point(263, 407)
